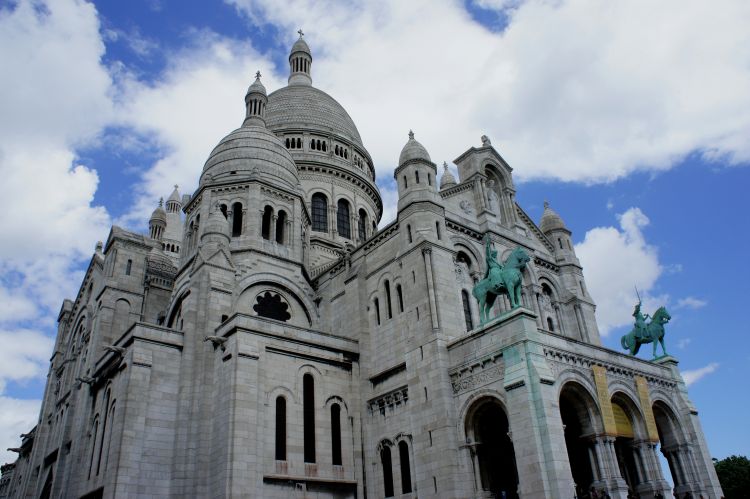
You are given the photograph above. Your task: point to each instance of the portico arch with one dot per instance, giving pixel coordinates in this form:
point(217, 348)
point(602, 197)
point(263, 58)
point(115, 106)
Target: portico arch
point(493, 457)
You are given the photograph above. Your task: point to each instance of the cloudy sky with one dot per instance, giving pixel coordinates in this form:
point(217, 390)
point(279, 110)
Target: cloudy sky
point(631, 118)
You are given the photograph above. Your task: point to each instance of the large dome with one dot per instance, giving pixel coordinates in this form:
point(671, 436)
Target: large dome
point(305, 106)
point(251, 150)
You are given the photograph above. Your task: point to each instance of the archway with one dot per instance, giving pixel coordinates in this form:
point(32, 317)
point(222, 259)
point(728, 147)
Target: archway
point(629, 427)
point(581, 421)
point(674, 448)
point(494, 457)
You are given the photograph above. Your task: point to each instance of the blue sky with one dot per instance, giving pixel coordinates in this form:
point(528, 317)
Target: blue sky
point(631, 118)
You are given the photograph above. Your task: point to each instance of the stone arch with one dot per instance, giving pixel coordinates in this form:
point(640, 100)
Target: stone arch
point(283, 391)
point(627, 442)
point(675, 446)
point(488, 436)
point(582, 422)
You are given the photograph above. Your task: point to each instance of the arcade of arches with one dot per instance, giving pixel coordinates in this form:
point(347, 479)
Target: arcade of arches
point(622, 461)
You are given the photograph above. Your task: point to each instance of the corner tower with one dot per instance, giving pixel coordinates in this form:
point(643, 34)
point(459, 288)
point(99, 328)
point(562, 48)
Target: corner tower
point(336, 172)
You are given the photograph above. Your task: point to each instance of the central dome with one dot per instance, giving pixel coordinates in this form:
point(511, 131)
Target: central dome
point(305, 106)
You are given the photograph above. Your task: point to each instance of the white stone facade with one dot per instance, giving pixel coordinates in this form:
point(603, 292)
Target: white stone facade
point(265, 340)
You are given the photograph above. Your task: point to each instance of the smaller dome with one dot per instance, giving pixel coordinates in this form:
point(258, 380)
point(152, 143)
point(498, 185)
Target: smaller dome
point(159, 215)
point(551, 220)
point(447, 180)
point(157, 259)
point(257, 87)
point(300, 45)
point(413, 150)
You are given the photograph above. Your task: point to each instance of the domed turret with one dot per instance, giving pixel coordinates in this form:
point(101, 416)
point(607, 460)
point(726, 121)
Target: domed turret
point(413, 150)
point(551, 220)
point(158, 222)
point(174, 205)
point(416, 175)
point(255, 102)
point(300, 60)
point(447, 180)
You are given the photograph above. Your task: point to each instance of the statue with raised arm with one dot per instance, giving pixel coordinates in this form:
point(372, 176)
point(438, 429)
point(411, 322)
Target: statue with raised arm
point(500, 278)
point(643, 332)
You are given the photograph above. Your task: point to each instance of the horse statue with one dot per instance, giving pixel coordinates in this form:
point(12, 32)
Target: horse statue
point(500, 278)
point(643, 333)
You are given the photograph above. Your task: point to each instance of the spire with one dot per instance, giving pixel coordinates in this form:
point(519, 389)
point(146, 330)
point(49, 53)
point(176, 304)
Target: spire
point(255, 103)
point(300, 60)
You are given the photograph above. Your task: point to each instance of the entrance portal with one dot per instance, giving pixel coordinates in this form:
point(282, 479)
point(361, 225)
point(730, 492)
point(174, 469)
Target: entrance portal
point(494, 450)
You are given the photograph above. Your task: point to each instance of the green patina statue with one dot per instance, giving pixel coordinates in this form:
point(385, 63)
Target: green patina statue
point(643, 333)
point(500, 278)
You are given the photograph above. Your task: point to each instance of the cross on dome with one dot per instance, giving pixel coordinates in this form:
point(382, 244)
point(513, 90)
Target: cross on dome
point(411, 135)
point(257, 75)
point(301, 34)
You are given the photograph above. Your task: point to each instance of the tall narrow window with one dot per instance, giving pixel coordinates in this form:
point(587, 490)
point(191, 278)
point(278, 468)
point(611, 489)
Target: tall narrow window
point(362, 225)
point(437, 229)
point(406, 183)
point(319, 212)
point(467, 310)
point(236, 219)
point(280, 428)
point(280, 223)
point(429, 179)
point(377, 310)
point(403, 457)
point(342, 219)
point(336, 434)
point(308, 409)
point(385, 458)
point(408, 232)
point(128, 267)
point(400, 297)
point(416, 176)
point(265, 226)
point(550, 324)
point(388, 309)
point(223, 208)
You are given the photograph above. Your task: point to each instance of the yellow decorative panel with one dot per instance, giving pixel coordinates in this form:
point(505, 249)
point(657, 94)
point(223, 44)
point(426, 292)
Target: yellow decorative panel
point(622, 422)
point(602, 392)
point(642, 386)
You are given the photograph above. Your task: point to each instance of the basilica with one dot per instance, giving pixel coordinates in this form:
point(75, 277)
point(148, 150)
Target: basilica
point(269, 338)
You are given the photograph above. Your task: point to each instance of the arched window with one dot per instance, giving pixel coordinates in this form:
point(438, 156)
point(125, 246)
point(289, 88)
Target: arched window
point(388, 309)
point(299, 143)
point(403, 457)
point(308, 409)
point(550, 324)
point(462, 257)
point(287, 143)
point(429, 179)
point(325, 147)
point(94, 440)
point(408, 232)
point(400, 297)
point(385, 459)
point(319, 212)
point(467, 310)
point(377, 310)
point(280, 223)
point(362, 225)
point(312, 143)
point(280, 428)
point(128, 267)
point(342, 219)
point(416, 176)
point(559, 242)
point(223, 208)
point(336, 434)
point(236, 219)
point(265, 226)
point(406, 183)
point(437, 229)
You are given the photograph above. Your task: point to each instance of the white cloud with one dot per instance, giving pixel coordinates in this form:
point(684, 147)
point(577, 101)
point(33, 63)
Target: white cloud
point(25, 355)
point(693, 375)
point(690, 302)
point(615, 261)
point(574, 90)
point(16, 416)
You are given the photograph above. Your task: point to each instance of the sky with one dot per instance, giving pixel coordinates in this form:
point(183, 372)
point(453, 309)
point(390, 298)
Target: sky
point(631, 118)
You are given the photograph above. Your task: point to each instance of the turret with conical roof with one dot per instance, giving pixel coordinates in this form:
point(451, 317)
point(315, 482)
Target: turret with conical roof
point(557, 232)
point(416, 175)
point(447, 180)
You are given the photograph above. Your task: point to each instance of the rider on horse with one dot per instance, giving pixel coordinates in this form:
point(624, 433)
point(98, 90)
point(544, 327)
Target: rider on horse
point(640, 321)
point(491, 254)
